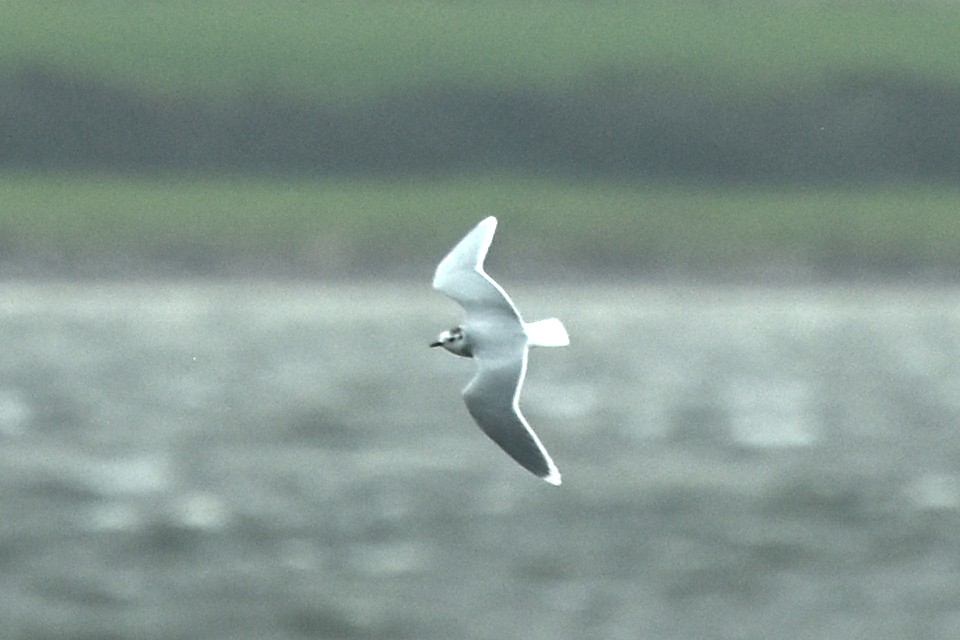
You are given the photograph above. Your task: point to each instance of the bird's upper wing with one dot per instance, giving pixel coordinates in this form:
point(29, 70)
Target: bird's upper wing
point(493, 398)
point(460, 274)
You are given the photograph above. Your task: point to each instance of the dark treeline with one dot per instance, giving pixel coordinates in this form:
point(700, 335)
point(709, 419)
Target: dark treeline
point(857, 128)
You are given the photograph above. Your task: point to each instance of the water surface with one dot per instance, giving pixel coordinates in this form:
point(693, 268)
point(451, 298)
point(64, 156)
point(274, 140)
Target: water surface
point(261, 460)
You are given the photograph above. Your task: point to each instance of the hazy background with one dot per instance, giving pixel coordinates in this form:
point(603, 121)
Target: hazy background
point(779, 140)
point(218, 414)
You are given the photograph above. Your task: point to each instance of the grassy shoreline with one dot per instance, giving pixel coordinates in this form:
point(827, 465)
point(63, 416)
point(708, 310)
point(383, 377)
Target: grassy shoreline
point(359, 225)
point(345, 51)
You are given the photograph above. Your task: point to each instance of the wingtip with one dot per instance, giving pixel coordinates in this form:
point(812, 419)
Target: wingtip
point(553, 477)
point(489, 221)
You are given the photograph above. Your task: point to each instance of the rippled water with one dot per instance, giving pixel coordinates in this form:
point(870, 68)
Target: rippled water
point(284, 461)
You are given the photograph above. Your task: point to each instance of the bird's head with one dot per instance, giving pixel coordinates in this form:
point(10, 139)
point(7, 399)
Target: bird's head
point(454, 341)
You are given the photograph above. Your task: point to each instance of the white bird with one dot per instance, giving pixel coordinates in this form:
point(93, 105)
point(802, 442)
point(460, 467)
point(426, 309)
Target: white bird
point(496, 337)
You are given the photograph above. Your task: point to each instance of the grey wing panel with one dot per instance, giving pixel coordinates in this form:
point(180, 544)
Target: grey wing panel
point(474, 290)
point(460, 274)
point(469, 253)
point(463, 266)
point(490, 400)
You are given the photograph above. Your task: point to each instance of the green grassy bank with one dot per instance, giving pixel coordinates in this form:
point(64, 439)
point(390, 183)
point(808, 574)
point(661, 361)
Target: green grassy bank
point(391, 227)
point(337, 50)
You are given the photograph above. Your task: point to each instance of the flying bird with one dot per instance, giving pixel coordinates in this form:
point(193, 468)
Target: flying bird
point(496, 337)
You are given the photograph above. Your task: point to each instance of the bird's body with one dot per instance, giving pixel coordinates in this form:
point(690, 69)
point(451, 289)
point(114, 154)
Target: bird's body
point(495, 335)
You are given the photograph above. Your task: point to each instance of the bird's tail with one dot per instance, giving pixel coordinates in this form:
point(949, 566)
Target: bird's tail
point(546, 333)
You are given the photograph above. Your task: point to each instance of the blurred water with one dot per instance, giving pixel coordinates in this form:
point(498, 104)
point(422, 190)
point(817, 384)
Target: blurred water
point(264, 461)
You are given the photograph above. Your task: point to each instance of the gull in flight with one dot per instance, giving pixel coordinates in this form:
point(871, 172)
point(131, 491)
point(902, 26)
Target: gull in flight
point(496, 337)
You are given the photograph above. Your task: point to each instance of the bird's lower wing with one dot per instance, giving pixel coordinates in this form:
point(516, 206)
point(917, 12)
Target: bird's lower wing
point(492, 399)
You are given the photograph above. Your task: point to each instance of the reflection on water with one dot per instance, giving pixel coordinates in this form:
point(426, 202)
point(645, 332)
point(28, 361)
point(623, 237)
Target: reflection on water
point(264, 461)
